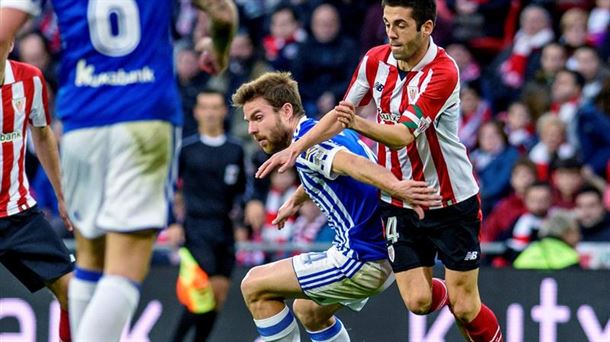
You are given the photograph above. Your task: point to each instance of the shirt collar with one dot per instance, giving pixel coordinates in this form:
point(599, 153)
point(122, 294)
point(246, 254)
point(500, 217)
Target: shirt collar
point(428, 57)
point(213, 141)
point(9, 77)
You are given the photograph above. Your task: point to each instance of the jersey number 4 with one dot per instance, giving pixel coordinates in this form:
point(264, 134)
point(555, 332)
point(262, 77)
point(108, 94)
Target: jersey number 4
point(391, 234)
point(125, 37)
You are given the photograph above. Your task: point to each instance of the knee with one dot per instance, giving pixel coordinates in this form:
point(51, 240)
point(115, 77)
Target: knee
point(464, 310)
point(419, 304)
point(250, 288)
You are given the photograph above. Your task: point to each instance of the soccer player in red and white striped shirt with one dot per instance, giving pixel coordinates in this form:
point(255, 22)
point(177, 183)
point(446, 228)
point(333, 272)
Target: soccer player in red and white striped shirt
point(415, 86)
point(29, 247)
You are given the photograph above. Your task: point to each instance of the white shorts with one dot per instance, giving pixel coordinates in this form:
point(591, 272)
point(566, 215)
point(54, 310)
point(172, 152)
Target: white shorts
point(116, 177)
point(330, 277)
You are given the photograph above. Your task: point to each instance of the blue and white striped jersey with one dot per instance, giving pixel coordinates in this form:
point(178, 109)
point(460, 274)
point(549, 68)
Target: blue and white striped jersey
point(351, 206)
point(117, 61)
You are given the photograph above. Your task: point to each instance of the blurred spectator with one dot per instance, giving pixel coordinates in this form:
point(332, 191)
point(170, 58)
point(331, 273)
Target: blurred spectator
point(519, 127)
point(573, 30)
point(33, 49)
point(373, 31)
point(537, 91)
point(492, 162)
point(309, 223)
point(588, 64)
point(552, 144)
point(592, 216)
point(537, 199)
point(559, 234)
point(190, 81)
point(566, 179)
point(566, 100)
point(283, 185)
point(593, 127)
point(475, 112)
point(469, 69)
point(282, 45)
point(325, 64)
point(517, 64)
point(599, 21)
point(498, 223)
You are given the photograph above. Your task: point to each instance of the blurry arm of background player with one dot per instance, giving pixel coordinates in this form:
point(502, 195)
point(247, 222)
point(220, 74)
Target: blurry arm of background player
point(416, 193)
point(393, 136)
point(175, 231)
point(325, 129)
point(214, 47)
point(290, 207)
point(48, 154)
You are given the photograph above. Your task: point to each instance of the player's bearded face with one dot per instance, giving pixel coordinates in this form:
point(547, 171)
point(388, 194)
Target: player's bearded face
point(278, 137)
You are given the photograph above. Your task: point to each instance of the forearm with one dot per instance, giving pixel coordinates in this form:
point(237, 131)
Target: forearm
point(48, 155)
point(365, 171)
point(325, 129)
point(299, 196)
point(393, 136)
point(223, 23)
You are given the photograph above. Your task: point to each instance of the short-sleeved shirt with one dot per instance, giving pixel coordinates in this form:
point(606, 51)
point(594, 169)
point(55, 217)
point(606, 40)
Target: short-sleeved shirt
point(426, 100)
point(23, 99)
point(351, 206)
point(117, 61)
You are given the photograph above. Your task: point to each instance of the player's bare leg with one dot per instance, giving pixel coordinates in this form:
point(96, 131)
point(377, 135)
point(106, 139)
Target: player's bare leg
point(59, 287)
point(89, 269)
point(264, 289)
point(126, 264)
point(474, 319)
point(320, 321)
point(421, 293)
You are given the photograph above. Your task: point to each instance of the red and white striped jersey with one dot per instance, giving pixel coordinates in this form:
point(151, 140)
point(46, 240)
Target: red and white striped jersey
point(427, 101)
point(24, 99)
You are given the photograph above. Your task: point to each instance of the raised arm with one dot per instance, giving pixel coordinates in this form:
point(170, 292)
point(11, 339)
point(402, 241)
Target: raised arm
point(47, 152)
point(223, 25)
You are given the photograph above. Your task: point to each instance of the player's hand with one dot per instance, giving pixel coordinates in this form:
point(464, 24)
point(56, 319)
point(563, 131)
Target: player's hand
point(175, 235)
point(418, 194)
point(254, 214)
point(208, 60)
point(63, 213)
point(283, 159)
point(346, 114)
point(286, 211)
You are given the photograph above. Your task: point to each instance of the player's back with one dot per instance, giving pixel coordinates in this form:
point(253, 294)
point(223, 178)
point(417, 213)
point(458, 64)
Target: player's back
point(117, 62)
point(351, 206)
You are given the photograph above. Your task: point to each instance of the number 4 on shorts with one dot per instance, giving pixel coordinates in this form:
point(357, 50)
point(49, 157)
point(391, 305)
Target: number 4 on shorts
point(391, 234)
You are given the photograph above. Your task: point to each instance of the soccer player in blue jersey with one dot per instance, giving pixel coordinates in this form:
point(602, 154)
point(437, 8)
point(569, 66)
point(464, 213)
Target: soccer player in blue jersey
point(119, 104)
point(341, 178)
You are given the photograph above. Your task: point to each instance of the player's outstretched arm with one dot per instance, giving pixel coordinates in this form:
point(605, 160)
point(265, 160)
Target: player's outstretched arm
point(393, 136)
point(325, 129)
point(223, 25)
point(290, 207)
point(48, 154)
point(415, 192)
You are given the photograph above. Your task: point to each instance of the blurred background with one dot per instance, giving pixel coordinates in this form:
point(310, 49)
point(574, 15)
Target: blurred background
point(535, 100)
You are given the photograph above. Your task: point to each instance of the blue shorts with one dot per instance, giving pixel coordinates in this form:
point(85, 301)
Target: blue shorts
point(31, 250)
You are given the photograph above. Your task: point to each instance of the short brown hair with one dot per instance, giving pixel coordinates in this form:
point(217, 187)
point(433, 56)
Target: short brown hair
point(278, 88)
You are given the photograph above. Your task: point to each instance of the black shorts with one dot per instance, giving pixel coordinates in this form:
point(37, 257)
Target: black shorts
point(452, 233)
point(212, 244)
point(31, 250)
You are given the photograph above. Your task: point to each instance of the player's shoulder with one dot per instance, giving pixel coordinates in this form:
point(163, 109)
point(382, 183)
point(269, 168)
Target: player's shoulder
point(379, 53)
point(444, 62)
point(22, 71)
point(234, 143)
point(304, 126)
point(189, 141)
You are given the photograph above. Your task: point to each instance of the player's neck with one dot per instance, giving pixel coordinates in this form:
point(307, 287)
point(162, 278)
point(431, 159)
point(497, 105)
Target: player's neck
point(211, 132)
point(410, 63)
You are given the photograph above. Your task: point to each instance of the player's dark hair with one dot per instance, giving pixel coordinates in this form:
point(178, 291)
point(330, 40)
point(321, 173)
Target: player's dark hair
point(423, 10)
point(278, 88)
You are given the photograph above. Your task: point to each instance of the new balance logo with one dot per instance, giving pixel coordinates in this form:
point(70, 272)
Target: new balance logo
point(471, 256)
point(378, 86)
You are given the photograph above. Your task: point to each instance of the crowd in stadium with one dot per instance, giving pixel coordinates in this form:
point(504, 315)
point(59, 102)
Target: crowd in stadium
point(535, 102)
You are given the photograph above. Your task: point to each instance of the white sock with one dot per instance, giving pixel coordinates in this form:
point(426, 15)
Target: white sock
point(281, 328)
point(80, 291)
point(335, 332)
point(111, 307)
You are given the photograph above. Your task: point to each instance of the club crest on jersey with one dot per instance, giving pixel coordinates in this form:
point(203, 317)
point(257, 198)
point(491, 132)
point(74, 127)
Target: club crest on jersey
point(412, 91)
point(19, 105)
